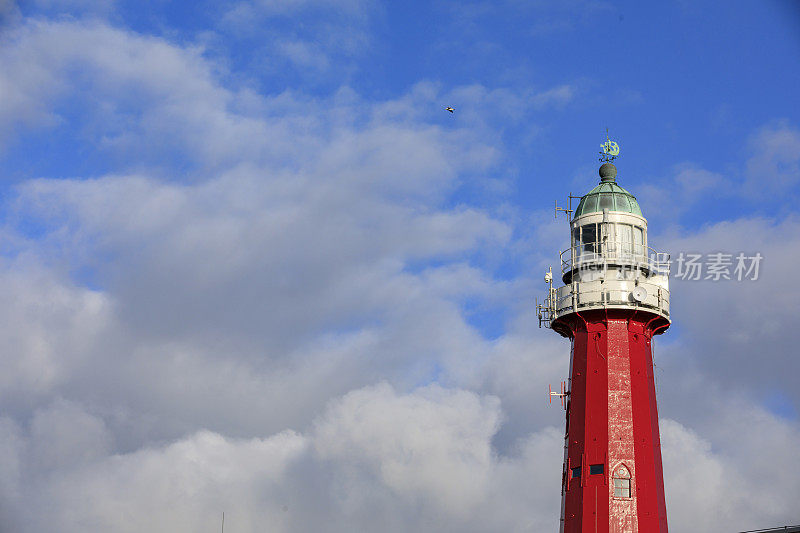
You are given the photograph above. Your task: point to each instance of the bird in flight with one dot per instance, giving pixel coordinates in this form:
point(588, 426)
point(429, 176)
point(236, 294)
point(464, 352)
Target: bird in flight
point(448, 108)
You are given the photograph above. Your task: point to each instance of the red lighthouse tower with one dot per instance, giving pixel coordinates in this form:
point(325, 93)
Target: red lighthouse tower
point(615, 298)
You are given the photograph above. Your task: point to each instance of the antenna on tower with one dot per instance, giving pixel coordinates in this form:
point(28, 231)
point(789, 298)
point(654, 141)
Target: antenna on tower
point(561, 395)
point(568, 210)
point(610, 150)
point(547, 309)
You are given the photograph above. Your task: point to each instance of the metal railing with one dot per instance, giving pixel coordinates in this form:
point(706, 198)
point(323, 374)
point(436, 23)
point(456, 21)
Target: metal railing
point(558, 305)
point(599, 254)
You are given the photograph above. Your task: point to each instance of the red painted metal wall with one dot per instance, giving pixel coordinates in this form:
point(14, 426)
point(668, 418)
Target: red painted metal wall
point(612, 423)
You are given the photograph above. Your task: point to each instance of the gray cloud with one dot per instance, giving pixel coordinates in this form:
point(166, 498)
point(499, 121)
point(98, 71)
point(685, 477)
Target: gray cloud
point(730, 324)
point(422, 460)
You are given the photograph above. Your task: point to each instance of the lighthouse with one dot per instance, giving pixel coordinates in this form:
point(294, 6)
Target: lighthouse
point(613, 300)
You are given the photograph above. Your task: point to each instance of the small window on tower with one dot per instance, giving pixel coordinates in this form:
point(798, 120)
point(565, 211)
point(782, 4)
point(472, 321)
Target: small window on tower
point(576, 472)
point(622, 488)
point(595, 469)
point(622, 482)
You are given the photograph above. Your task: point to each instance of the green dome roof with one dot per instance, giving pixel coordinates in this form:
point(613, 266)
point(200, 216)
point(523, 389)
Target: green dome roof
point(608, 195)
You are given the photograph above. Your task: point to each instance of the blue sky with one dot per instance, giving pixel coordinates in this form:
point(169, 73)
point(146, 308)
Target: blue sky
point(249, 259)
point(695, 72)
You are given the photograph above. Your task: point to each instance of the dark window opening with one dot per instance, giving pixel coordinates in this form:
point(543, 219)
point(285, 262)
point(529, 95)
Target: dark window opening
point(595, 469)
point(576, 472)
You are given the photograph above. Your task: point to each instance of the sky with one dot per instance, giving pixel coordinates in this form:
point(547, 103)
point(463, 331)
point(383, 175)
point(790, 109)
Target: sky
point(249, 264)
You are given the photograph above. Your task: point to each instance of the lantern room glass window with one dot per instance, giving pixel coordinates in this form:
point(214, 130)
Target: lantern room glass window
point(585, 238)
point(606, 202)
point(623, 241)
point(625, 238)
point(638, 241)
point(589, 237)
point(608, 196)
point(623, 204)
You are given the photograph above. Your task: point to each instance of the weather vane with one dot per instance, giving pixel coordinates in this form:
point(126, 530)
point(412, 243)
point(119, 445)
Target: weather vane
point(610, 150)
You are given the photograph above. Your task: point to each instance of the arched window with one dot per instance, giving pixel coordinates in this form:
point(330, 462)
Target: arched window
point(622, 482)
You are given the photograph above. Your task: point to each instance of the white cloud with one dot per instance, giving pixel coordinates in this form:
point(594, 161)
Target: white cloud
point(774, 164)
point(45, 63)
point(47, 328)
point(331, 30)
point(483, 105)
point(283, 7)
point(770, 173)
point(73, 7)
point(701, 490)
point(270, 277)
point(669, 200)
point(305, 54)
point(433, 447)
